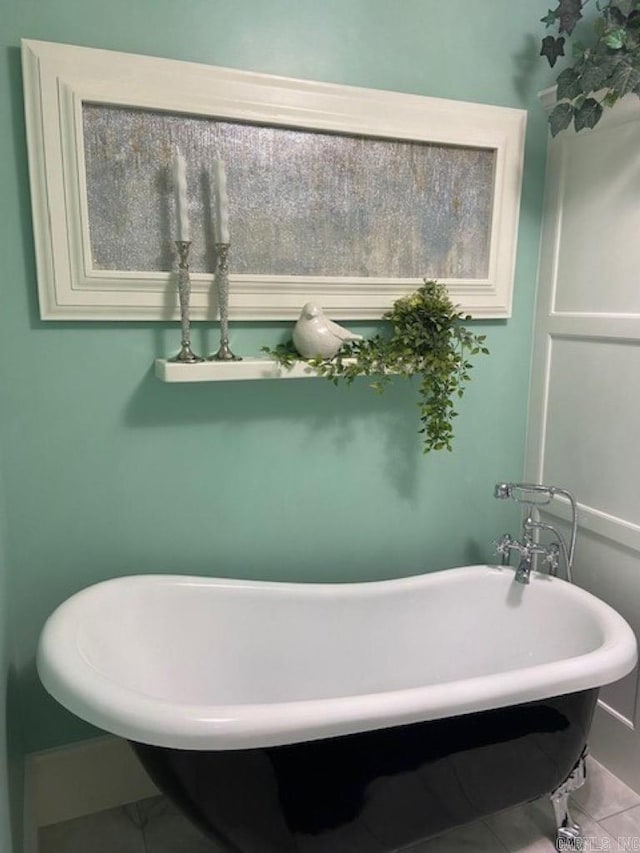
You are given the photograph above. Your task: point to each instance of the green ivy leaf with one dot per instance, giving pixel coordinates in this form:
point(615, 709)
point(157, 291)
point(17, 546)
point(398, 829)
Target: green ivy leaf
point(552, 48)
point(615, 38)
point(596, 73)
point(632, 40)
point(588, 115)
point(569, 13)
point(578, 50)
point(624, 79)
point(560, 118)
point(625, 7)
point(551, 17)
point(613, 17)
point(568, 85)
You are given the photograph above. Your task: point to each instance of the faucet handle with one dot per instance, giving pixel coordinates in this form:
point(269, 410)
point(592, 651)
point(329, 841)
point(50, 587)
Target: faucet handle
point(503, 547)
point(552, 558)
point(503, 544)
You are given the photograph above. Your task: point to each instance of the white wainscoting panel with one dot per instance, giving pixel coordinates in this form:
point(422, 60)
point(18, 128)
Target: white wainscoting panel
point(593, 229)
point(610, 571)
point(588, 439)
point(584, 414)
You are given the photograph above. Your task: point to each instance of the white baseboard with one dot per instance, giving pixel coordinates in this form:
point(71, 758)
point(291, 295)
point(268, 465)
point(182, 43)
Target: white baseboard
point(81, 779)
point(616, 744)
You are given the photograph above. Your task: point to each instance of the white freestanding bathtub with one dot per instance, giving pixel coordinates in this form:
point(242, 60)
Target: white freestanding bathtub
point(233, 674)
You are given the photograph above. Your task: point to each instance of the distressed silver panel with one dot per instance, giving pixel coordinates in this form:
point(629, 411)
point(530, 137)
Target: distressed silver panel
point(301, 202)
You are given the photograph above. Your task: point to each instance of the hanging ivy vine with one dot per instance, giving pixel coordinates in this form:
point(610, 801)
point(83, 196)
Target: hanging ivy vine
point(602, 72)
point(427, 339)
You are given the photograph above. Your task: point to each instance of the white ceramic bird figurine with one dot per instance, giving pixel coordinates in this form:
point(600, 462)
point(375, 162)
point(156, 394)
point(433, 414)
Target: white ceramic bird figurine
point(316, 336)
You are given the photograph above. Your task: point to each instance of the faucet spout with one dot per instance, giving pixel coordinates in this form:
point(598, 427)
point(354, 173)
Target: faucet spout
point(523, 572)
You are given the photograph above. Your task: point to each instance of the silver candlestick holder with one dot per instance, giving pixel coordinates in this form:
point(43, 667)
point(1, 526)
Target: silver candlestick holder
point(222, 285)
point(185, 356)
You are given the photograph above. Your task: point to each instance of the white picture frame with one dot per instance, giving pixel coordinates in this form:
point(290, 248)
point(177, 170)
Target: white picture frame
point(59, 78)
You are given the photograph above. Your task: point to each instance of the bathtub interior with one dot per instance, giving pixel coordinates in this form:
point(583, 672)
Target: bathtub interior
point(230, 643)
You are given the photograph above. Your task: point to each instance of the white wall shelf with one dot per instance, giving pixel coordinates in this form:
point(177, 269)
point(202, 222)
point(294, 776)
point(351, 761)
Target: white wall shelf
point(224, 371)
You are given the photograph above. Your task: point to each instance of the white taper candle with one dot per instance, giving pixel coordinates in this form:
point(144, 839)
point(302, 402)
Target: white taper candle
point(221, 221)
point(180, 186)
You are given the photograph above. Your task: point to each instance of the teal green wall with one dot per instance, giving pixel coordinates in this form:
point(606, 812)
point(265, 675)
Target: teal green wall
point(110, 471)
point(5, 811)
point(11, 779)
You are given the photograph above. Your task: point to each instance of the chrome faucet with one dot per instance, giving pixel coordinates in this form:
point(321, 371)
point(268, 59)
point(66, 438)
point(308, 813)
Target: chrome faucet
point(530, 550)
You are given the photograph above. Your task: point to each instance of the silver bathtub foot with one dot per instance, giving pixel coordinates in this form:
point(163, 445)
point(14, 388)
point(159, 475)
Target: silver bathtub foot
point(568, 833)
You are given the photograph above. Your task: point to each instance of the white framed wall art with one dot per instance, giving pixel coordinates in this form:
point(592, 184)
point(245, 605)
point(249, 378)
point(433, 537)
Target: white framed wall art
point(343, 195)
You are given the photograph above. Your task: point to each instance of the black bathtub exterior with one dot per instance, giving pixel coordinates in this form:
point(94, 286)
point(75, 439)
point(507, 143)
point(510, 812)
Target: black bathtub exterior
point(375, 792)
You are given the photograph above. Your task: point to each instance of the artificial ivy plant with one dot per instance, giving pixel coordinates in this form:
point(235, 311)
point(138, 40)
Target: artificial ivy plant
point(602, 72)
point(427, 339)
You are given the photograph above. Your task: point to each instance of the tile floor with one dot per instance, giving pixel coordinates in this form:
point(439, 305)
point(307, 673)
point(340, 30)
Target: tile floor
point(608, 811)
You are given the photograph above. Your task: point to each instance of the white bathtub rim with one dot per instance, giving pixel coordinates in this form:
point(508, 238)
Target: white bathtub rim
point(244, 727)
point(98, 699)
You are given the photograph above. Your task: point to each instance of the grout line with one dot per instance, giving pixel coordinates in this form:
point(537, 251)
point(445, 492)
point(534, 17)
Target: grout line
point(608, 835)
point(608, 832)
point(613, 814)
point(143, 823)
point(136, 817)
point(499, 840)
point(576, 804)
